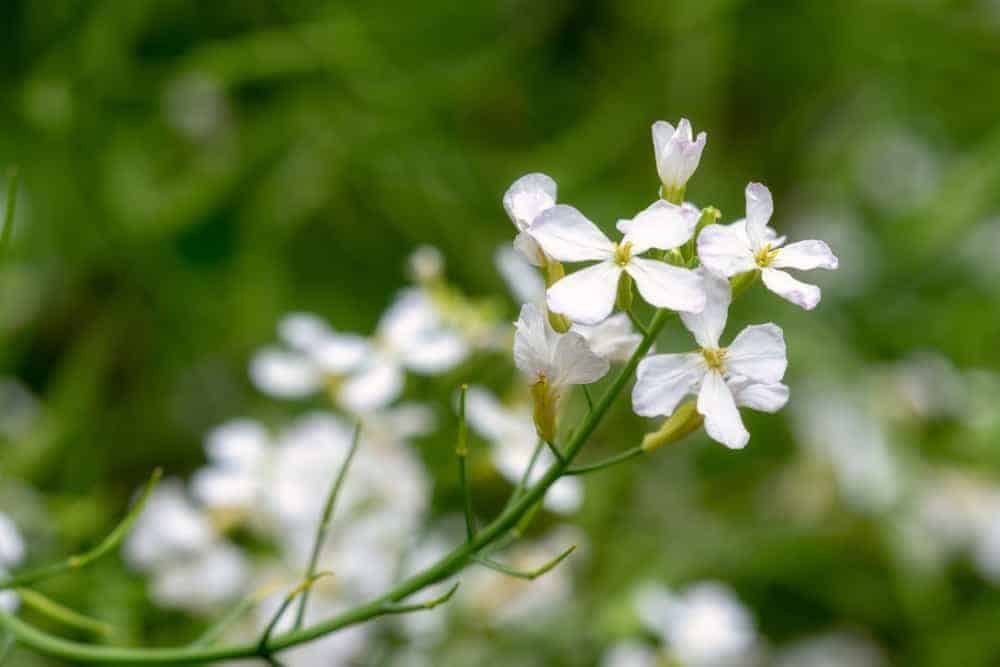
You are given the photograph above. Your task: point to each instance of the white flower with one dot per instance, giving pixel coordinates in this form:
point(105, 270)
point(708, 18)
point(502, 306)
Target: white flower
point(613, 339)
point(410, 336)
point(588, 295)
point(240, 452)
point(558, 360)
point(832, 650)
point(425, 264)
point(524, 201)
point(749, 244)
point(311, 353)
point(512, 435)
point(523, 281)
point(630, 653)
point(677, 153)
point(747, 373)
point(705, 625)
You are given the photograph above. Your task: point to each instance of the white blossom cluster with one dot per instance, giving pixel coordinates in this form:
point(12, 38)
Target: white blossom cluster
point(12, 552)
point(674, 263)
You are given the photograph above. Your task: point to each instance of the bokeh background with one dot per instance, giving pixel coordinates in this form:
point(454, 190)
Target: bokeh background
point(191, 172)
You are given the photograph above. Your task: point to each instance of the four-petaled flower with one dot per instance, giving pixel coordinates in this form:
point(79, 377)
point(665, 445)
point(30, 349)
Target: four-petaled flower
point(749, 244)
point(747, 373)
point(677, 155)
point(588, 295)
point(552, 362)
point(524, 201)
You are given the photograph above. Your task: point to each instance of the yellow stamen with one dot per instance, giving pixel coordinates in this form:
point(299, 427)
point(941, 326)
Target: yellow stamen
point(714, 358)
point(765, 256)
point(623, 253)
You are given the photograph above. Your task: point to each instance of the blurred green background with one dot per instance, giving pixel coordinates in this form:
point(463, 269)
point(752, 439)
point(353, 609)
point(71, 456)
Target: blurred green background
point(193, 171)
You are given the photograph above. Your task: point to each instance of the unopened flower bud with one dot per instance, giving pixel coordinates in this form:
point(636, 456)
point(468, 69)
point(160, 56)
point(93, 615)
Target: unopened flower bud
point(682, 423)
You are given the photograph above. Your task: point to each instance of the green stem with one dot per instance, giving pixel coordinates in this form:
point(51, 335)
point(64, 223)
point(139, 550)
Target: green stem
point(449, 565)
point(62, 614)
point(82, 560)
point(605, 463)
point(462, 453)
point(324, 526)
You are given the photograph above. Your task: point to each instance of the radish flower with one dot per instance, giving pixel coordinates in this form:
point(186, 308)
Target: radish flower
point(588, 295)
point(677, 153)
point(747, 373)
point(524, 201)
point(750, 245)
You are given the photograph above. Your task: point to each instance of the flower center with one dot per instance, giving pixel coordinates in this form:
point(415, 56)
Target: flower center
point(714, 358)
point(765, 256)
point(623, 253)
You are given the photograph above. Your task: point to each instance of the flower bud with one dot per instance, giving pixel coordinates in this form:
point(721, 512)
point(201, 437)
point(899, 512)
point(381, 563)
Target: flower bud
point(682, 423)
point(678, 153)
point(546, 401)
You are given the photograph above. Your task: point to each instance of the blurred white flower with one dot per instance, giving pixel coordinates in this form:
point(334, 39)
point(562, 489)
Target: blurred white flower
point(677, 154)
point(192, 567)
point(747, 373)
point(749, 244)
point(425, 264)
point(513, 439)
point(588, 295)
point(704, 626)
point(410, 336)
point(926, 385)
point(613, 339)
point(523, 280)
point(241, 459)
point(832, 650)
point(830, 424)
point(524, 201)
point(630, 654)
point(18, 409)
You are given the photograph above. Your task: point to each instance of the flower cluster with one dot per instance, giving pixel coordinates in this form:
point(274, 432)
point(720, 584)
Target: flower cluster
point(677, 258)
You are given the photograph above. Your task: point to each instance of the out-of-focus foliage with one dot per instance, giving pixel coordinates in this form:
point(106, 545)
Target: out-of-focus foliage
point(193, 171)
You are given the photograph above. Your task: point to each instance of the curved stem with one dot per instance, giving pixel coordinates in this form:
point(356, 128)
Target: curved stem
point(449, 565)
point(606, 463)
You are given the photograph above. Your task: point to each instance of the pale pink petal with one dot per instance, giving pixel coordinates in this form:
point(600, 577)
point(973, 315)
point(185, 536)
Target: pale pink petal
point(805, 255)
point(801, 294)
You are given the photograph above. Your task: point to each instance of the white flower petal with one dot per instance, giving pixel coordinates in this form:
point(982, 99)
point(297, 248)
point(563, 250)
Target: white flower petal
point(613, 339)
point(410, 315)
point(486, 415)
point(225, 488)
point(725, 250)
point(237, 443)
point(435, 353)
point(575, 363)
point(11, 544)
point(301, 331)
point(677, 152)
point(523, 280)
point(9, 600)
point(801, 294)
point(340, 353)
point(588, 295)
point(758, 353)
point(805, 255)
point(662, 225)
point(759, 396)
point(529, 249)
point(666, 286)
point(284, 374)
point(662, 380)
point(566, 235)
point(565, 496)
point(722, 419)
point(708, 325)
point(528, 197)
point(373, 387)
point(760, 207)
point(531, 341)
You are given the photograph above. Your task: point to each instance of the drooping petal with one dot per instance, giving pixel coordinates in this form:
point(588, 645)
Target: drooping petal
point(523, 280)
point(529, 248)
point(588, 295)
point(801, 294)
point(758, 353)
point(435, 353)
point(805, 255)
point(760, 207)
point(575, 363)
point(284, 374)
point(663, 380)
point(666, 286)
point(759, 396)
point(374, 387)
point(531, 343)
point(527, 197)
point(725, 250)
point(722, 419)
point(661, 225)
point(708, 325)
point(566, 235)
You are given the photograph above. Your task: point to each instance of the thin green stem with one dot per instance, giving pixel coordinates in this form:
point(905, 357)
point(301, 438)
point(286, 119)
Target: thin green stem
point(303, 588)
point(462, 453)
point(214, 631)
point(605, 463)
point(522, 574)
point(324, 526)
point(392, 608)
point(590, 399)
point(106, 545)
point(62, 614)
point(444, 568)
